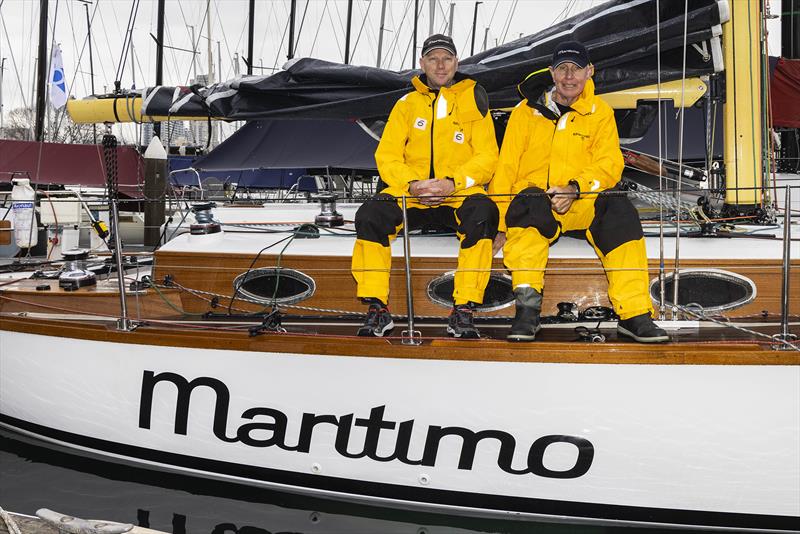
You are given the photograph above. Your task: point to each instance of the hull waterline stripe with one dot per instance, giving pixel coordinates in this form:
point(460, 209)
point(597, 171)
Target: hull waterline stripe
point(477, 501)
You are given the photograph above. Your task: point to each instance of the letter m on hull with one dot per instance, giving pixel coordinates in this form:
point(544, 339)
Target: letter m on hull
point(184, 393)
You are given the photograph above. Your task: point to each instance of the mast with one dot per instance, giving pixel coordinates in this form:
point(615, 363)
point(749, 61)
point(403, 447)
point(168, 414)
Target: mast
point(474, 28)
point(210, 66)
point(160, 57)
point(91, 60)
point(450, 21)
point(292, 9)
point(742, 109)
point(41, 99)
point(250, 25)
point(414, 46)
point(432, 16)
point(347, 32)
point(2, 68)
point(790, 29)
point(380, 33)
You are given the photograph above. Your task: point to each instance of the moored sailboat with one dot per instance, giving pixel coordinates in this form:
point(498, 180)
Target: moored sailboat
point(237, 361)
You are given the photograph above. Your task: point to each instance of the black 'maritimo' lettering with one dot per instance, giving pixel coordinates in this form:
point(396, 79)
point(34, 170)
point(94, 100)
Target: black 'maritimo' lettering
point(185, 388)
point(470, 445)
point(582, 463)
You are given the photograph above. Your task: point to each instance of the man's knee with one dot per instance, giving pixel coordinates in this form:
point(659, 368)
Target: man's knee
point(616, 221)
point(530, 208)
point(479, 217)
point(377, 219)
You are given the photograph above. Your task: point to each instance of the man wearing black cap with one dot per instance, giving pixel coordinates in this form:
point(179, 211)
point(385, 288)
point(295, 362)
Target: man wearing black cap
point(560, 155)
point(439, 150)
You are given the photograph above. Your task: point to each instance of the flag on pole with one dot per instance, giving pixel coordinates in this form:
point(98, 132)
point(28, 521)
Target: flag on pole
point(58, 85)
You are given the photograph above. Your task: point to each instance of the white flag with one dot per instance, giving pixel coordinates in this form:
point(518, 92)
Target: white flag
point(58, 82)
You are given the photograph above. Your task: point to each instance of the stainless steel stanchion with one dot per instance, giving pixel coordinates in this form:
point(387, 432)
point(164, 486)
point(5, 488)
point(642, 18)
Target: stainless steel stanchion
point(409, 336)
point(787, 244)
point(122, 323)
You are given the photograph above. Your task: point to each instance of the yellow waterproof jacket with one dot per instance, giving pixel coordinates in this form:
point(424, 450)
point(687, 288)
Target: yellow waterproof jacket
point(453, 125)
point(581, 145)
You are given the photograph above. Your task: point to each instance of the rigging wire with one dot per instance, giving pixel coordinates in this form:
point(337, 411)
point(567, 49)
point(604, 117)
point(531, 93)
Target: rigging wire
point(126, 43)
point(361, 29)
point(661, 262)
point(676, 258)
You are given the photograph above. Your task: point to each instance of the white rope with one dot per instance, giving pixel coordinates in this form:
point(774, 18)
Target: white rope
point(9, 521)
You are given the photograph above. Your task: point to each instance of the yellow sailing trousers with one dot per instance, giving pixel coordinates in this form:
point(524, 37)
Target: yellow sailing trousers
point(378, 221)
point(609, 223)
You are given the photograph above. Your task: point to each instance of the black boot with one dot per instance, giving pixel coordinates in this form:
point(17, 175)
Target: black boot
point(526, 323)
point(642, 329)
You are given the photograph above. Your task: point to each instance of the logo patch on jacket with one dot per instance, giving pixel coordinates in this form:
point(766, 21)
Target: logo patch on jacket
point(420, 123)
point(458, 137)
point(582, 136)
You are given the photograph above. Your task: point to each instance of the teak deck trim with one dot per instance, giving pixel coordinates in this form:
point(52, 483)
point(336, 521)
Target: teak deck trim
point(676, 353)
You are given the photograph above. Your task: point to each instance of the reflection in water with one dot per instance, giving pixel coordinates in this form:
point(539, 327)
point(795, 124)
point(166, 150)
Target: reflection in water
point(34, 476)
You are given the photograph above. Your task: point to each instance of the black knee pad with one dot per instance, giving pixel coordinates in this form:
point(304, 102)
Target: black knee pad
point(479, 217)
point(530, 208)
point(615, 222)
point(378, 218)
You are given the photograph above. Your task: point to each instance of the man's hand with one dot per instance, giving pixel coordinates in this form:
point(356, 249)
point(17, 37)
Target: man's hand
point(561, 198)
point(432, 192)
point(499, 241)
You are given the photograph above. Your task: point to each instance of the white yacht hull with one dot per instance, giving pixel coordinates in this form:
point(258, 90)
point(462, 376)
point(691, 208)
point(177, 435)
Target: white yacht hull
point(685, 445)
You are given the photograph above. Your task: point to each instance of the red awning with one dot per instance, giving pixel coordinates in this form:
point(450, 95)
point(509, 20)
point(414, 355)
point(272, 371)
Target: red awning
point(785, 93)
point(57, 163)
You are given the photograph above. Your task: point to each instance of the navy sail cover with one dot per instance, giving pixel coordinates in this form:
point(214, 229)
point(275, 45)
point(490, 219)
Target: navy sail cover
point(620, 36)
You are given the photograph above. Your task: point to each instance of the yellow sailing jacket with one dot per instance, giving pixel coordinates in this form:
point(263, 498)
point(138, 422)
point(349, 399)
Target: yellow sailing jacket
point(537, 151)
point(454, 124)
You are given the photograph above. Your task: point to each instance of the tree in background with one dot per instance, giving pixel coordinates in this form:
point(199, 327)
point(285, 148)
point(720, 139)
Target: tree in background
point(59, 128)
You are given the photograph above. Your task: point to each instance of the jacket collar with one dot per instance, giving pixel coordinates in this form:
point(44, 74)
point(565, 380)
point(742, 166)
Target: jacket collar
point(460, 83)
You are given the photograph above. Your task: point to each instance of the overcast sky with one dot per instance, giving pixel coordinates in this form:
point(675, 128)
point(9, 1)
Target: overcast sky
point(320, 27)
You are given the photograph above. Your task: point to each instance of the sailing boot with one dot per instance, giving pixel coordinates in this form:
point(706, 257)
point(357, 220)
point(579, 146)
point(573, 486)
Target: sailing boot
point(379, 320)
point(460, 324)
point(642, 329)
point(528, 303)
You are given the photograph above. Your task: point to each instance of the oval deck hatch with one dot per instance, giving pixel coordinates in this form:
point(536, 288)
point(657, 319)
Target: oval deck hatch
point(715, 290)
point(499, 292)
point(268, 285)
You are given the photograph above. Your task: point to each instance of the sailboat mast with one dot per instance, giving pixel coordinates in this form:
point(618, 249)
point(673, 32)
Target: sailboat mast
point(380, 33)
point(160, 56)
point(347, 32)
point(250, 26)
point(742, 109)
point(432, 16)
point(790, 29)
point(414, 46)
point(474, 28)
point(292, 9)
point(41, 100)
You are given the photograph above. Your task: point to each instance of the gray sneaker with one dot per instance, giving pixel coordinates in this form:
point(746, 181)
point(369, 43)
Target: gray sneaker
point(642, 329)
point(378, 322)
point(460, 324)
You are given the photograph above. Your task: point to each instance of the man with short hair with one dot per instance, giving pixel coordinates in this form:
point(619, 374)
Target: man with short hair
point(561, 161)
point(438, 149)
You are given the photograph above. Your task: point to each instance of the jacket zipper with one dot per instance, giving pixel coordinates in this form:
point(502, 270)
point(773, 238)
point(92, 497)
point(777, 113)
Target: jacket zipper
point(433, 120)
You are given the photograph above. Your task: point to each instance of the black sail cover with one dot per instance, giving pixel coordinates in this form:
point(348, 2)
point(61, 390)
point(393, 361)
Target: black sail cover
point(620, 36)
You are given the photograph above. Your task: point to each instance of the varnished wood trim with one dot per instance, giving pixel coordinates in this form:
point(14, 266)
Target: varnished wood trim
point(679, 353)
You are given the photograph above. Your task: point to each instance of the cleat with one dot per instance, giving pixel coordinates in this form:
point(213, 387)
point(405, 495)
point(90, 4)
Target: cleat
point(460, 324)
point(642, 329)
point(378, 322)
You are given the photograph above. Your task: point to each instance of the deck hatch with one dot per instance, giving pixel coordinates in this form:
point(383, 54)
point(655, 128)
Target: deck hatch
point(268, 285)
point(715, 290)
point(499, 293)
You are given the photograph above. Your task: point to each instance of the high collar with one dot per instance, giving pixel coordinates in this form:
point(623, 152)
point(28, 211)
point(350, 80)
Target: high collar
point(420, 83)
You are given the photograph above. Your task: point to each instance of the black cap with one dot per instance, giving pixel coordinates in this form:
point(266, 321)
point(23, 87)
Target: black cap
point(437, 40)
point(570, 51)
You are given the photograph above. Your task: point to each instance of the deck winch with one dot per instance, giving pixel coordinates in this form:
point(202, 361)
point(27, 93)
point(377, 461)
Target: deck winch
point(328, 215)
point(75, 275)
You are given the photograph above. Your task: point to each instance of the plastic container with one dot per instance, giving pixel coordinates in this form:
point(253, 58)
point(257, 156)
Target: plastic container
point(23, 213)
